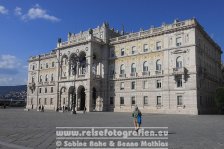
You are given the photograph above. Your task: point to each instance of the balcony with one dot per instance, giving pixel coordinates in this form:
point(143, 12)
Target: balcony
point(46, 83)
point(145, 73)
point(32, 86)
point(133, 74)
point(63, 78)
point(159, 72)
point(81, 75)
point(40, 83)
point(122, 75)
point(179, 71)
point(52, 82)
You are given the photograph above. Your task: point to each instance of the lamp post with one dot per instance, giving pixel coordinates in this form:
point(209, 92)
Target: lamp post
point(73, 63)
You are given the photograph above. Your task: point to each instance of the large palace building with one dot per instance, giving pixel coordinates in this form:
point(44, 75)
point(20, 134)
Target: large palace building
point(174, 68)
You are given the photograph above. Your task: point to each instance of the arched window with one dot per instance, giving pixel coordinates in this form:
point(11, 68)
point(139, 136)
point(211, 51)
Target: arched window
point(73, 64)
point(133, 51)
point(52, 65)
point(122, 52)
point(52, 77)
point(133, 68)
point(46, 78)
point(64, 60)
point(179, 62)
point(122, 69)
point(145, 66)
point(158, 65)
point(41, 79)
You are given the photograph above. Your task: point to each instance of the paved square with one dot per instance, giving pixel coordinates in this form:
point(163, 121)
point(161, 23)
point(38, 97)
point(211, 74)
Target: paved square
point(32, 129)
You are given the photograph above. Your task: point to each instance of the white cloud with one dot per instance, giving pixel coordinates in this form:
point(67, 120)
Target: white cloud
point(18, 11)
point(9, 62)
point(3, 10)
point(12, 70)
point(37, 12)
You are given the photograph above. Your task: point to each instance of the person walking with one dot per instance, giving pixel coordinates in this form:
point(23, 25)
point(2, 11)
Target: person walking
point(137, 117)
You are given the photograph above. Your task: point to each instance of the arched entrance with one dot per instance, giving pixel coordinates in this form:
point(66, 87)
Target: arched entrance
point(81, 98)
point(72, 98)
point(62, 99)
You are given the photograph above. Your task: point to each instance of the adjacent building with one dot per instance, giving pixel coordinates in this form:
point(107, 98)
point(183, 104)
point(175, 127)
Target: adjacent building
point(171, 69)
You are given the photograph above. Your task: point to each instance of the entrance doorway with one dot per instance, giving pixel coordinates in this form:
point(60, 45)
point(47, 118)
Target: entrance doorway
point(81, 98)
point(72, 98)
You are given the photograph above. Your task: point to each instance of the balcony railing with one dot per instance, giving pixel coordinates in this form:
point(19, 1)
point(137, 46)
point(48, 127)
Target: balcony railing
point(159, 72)
point(133, 74)
point(63, 77)
point(81, 76)
point(145, 73)
point(52, 82)
point(122, 75)
point(179, 71)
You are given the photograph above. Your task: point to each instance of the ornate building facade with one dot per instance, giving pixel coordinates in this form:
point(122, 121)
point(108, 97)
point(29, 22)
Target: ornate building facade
point(174, 68)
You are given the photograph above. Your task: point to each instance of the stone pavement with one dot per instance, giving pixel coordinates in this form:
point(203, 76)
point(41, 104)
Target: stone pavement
point(21, 129)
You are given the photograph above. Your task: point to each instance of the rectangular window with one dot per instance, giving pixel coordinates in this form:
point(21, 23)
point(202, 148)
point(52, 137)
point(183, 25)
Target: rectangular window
point(133, 100)
point(145, 100)
point(31, 101)
point(41, 66)
point(158, 45)
point(52, 89)
point(179, 101)
point(122, 86)
point(45, 101)
point(63, 100)
point(111, 100)
point(145, 48)
point(178, 41)
point(133, 85)
point(121, 100)
point(158, 84)
point(51, 101)
point(179, 82)
point(122, 52)
point(145, 84)
point(46, 65)
point(39, 90)
point(45, 90)
point(158, 101)
point(39, 102)
point(52, 64)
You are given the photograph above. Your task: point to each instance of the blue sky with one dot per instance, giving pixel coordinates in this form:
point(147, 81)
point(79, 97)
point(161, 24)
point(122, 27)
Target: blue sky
point(31, 27)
